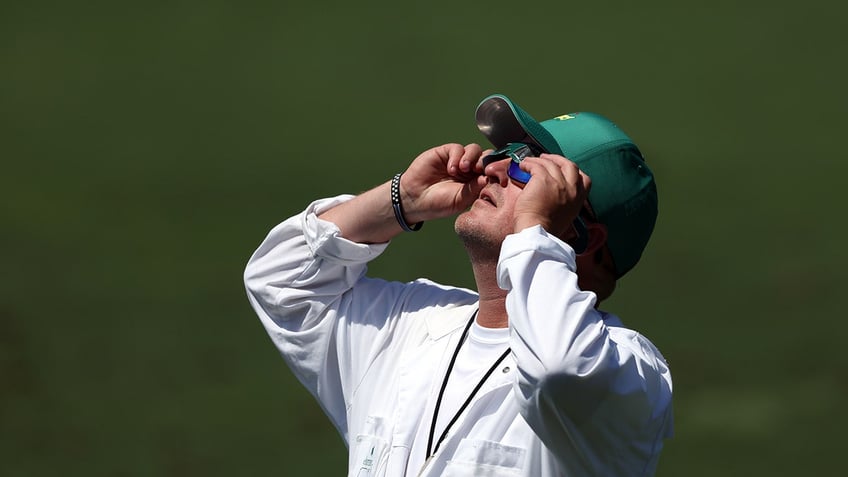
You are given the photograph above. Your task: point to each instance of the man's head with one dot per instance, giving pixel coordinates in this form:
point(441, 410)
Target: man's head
point(623, 196)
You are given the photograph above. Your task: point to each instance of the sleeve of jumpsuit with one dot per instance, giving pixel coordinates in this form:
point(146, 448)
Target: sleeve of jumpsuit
point(300, 283)
point(597, 394)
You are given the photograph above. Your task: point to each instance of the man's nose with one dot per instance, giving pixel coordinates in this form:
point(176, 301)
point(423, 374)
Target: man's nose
point(496, 172)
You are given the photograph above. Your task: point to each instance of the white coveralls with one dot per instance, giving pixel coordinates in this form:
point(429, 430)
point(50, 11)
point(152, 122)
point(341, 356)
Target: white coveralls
point(579, 394)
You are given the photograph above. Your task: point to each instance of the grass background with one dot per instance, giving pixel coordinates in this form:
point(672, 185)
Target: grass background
point(147, 147)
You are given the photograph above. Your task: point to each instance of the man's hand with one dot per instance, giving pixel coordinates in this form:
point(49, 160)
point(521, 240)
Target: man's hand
point(442, 181)
point(554, 195)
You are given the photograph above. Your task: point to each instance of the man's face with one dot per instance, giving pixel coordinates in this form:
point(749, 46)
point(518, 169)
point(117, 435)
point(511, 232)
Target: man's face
point(491, 217)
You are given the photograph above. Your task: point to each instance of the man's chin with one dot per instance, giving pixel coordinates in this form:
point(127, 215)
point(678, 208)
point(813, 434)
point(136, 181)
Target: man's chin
point(465, 222)
point(472, 230)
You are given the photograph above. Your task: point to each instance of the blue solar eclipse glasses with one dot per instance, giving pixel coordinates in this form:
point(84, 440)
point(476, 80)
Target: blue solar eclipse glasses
point(517, 152)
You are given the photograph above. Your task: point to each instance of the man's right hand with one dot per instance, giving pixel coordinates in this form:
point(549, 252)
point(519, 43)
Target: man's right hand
point(442, 181)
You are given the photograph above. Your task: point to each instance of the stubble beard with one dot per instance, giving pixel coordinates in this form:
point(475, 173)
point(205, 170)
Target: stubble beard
point(480, 243)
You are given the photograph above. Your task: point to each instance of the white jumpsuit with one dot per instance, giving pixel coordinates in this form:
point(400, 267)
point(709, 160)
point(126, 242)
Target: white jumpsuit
point(578, 395)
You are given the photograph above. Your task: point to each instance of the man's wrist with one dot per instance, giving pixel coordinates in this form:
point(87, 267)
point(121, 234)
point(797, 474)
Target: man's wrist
point(526, 221)
point(397, 198)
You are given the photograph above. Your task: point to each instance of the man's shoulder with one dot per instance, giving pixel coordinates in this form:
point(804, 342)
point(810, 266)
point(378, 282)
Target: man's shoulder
point(429, 290)
point(443, 307)
point(633, 340)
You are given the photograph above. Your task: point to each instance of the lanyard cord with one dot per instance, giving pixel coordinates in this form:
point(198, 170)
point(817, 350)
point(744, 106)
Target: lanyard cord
point(430, 452)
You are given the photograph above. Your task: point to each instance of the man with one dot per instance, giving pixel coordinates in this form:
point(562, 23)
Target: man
point(524, 377)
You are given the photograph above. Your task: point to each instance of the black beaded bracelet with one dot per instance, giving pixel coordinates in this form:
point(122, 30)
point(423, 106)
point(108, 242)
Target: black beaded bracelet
point(399, 209)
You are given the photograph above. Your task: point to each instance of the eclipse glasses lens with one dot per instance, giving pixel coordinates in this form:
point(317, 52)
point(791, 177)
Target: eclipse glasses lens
point(516, 152)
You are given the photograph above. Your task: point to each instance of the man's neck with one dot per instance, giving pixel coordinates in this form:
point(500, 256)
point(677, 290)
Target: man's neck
point(492, 312)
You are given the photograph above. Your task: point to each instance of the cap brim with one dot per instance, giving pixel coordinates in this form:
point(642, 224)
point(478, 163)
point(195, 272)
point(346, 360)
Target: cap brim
point(502, 122)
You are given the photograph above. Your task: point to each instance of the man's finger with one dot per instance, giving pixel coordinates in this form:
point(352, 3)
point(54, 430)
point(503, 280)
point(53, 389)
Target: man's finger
point(470, 157)
point(452, 153)
point(537, 166)
point(478, 165)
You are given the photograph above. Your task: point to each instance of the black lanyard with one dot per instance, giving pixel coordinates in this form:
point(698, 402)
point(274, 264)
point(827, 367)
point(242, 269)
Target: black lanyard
point(445, 385)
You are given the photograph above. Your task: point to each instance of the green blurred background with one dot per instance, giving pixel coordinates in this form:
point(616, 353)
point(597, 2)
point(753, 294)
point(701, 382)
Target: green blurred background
point(147, 147)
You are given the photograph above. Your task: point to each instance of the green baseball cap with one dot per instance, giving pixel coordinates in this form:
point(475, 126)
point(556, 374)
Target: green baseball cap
point(623, 194)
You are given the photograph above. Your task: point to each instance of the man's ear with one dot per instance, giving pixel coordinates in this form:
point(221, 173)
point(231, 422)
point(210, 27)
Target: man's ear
point(597, 237)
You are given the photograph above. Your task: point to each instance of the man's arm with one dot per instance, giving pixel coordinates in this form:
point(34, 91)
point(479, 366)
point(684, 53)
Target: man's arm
point(440, 182)
point(597, 394)
point(306, 280)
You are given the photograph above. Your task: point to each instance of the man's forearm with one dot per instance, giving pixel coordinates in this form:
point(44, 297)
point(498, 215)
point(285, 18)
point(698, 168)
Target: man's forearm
point(367, 218)
point(441, 182)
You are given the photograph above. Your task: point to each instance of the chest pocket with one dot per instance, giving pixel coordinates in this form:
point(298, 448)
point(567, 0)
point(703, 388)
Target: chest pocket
point(369, 450)
point(485, 459)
